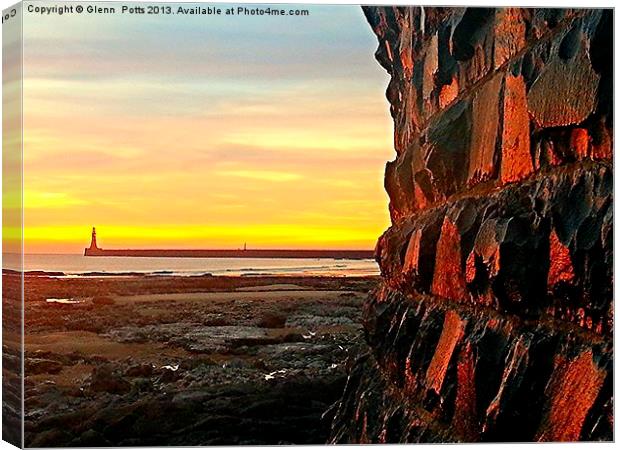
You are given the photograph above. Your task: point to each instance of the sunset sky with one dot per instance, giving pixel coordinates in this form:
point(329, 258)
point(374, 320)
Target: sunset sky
point(204, 132)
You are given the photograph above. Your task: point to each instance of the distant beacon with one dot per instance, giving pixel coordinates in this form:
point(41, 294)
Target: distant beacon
point(93, 244)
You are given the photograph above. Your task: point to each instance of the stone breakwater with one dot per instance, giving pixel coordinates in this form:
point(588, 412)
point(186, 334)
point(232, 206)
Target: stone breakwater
point(262, 254)
point(494, 318)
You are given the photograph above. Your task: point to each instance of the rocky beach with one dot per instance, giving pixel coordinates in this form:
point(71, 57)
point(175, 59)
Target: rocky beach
point(164, 360)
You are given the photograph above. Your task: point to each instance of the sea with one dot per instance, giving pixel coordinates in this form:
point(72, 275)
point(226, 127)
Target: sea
point(79, 265)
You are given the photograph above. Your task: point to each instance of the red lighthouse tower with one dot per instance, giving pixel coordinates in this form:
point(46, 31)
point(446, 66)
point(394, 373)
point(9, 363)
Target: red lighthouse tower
point(93, 244)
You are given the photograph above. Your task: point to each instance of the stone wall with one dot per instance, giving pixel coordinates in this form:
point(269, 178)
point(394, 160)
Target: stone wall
point(494, 320)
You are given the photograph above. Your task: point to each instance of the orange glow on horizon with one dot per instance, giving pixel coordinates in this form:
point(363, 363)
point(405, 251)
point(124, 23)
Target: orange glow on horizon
point(179, 237)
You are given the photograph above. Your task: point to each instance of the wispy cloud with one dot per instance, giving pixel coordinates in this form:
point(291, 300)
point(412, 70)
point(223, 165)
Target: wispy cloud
point(262, 175)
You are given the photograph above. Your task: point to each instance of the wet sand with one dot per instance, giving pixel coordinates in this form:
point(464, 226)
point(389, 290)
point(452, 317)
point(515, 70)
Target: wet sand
point(187, 360)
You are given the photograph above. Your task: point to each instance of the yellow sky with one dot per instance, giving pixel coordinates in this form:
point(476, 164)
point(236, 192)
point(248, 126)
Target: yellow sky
point(167, 139)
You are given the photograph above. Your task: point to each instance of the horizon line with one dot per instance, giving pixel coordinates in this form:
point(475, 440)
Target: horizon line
point(197, 249)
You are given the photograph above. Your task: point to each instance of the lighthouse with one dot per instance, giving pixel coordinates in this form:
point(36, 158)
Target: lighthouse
point(93, 244)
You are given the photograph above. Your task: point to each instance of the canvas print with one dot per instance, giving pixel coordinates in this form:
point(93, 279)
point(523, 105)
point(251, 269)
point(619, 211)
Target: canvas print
point(252, 224)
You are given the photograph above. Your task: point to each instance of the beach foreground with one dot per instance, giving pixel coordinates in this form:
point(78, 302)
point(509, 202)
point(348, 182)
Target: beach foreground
point(161, 360)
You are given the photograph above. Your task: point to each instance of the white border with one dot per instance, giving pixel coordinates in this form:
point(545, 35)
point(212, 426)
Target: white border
point(553, 4)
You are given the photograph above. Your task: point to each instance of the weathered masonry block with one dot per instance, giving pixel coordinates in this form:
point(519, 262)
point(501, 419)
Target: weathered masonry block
point(494, 319)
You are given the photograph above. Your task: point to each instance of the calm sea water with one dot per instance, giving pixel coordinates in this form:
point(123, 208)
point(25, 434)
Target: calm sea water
point(78, 264)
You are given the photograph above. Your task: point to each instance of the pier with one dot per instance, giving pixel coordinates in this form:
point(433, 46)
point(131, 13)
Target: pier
point(94, 250)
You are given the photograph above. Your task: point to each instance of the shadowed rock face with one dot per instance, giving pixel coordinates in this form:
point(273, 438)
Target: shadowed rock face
point(494, 320)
